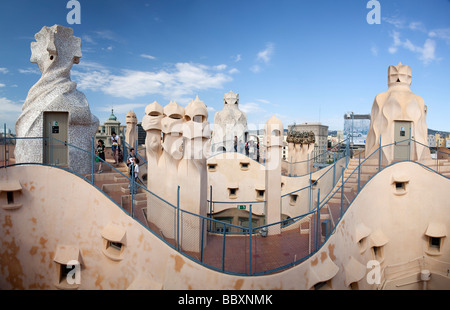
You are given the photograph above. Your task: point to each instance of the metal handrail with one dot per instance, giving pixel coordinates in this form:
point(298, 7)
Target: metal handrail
point(250, 230)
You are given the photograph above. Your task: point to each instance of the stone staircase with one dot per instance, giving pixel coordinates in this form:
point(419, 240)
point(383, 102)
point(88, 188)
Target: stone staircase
point(332, 209)
point(115, 185)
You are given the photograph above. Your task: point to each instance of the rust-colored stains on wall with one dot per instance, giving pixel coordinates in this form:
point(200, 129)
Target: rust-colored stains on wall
point(33, 219)
point(33, 250)
point(315, 261)
point(42, 241)
point(32, 188)
point(10, 264)
point(323, 256)
point(331, 251)
point(179, 262)
point(99, 281)
point(305, 276)
point(8, 222)
point(238, 284)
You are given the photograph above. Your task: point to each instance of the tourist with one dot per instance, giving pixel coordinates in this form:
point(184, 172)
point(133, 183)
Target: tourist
point(257, 152)
point(130, 159)
point(247, 148)
point(235, 143)
point(135, 175)
point(101, 154)
point(115, 145)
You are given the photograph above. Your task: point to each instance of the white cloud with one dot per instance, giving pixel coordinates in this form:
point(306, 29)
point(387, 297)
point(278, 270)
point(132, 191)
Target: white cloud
point(88, 39)
point(255, 69)
point(4, 70)
point(30, 71)
point(417, 26)
point(443, 33)
point(2, 85)
point(123, 108)
point(251, 107)
point(398, 23)
point(238, 58)
point(148, 56)
point(220, 67)
point(426, 53)
point(8, 106)
point(374, 50)
point(392, 50)
point(266, 55)
point(182, 80)
point(233, 71)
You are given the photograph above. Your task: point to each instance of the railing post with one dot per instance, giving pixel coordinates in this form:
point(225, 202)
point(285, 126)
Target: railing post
point(342, 190)
point(203, 234)
point(210, 205)
point(132, 185)
point(334, 171)
point(409, 145)
point(178, 218)
point(359, 172)
point(347, 152)
point(4, 140)
point(223, 247)
point(49, 142)
point(318, 220)
point(310, 194)
point(250, 229)
point(379, 156)
point(93, 161)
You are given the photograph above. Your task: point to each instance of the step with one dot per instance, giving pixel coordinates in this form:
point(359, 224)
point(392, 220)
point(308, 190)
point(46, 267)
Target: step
point(119, 178)
point(117, 187)
point(126, 190)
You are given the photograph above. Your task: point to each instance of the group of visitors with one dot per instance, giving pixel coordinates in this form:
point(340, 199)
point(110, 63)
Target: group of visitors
point(132, 160)
point(248, 145)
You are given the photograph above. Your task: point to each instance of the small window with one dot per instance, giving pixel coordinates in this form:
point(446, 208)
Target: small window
point(260, 194)
point(232, 193)
point(313, 183)
point(400, 186)
point(212, 167)
point(435, 243)
point(293, 199)
point(378, 253)
point(114, 242)
point(115, 245)
point(244, 166)
point(10, 197)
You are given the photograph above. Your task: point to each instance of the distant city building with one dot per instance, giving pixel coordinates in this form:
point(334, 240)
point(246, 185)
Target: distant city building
point(321, 135)
point(431, 141)
point(356, 127)
point(111, 125)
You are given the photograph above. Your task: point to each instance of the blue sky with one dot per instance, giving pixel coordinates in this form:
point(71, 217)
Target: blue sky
point(305, 61)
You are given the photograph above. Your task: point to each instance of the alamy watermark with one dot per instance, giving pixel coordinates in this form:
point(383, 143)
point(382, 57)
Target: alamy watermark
point(374, 16)
point(74, 275)
point(374, 274)
point(74, 16)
